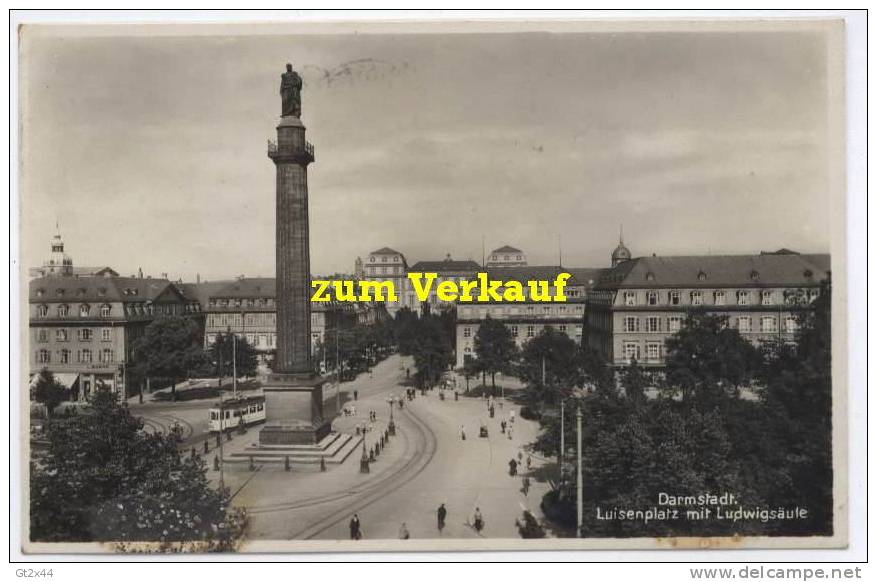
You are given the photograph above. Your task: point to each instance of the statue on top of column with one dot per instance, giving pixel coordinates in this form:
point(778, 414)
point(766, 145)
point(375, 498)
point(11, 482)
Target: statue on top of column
point(290, 92)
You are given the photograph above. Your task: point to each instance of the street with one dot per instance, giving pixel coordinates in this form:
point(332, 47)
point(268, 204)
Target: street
point(426, 464)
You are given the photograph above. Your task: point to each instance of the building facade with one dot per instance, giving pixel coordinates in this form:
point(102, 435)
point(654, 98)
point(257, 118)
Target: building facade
point(82, 329)
point(387, 264)
point(528, 319)
point(446, 270)
point(247, 308)
point(640, 302)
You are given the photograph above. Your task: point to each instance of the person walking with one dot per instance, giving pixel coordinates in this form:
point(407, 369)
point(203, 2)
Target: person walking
point(404, 534)
point(356, 395)
point(441, 514)
point(355, 528)
point(478, 521)
point(462, 432)
point(513, 467)
point(529, 462)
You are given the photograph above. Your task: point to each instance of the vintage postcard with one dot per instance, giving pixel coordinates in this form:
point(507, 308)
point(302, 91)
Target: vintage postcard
point(432, 286)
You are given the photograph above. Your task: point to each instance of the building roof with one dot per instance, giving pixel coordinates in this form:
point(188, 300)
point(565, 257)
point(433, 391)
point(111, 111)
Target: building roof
point(248, 287)
point(202, 291)
point(102, 271)
point(585, 277)
point(506, 249)
point(99, 289)
point(385, 251)
point(445, 266)
point(708, 271)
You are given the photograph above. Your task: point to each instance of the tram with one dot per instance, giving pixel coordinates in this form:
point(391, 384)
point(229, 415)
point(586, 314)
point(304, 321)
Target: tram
point(228, 413)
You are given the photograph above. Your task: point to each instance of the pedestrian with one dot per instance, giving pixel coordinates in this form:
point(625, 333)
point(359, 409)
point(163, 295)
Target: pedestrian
point(529, 462)
point(355, 528)
point(462, 432)
point(513, 467)
point(509, 432)
point(403, 532)
point(502, 426)
point(520, 456)
point(525, 485)
point(512, 417)
point(478, 520)
point(356, 394)
point(441, 514)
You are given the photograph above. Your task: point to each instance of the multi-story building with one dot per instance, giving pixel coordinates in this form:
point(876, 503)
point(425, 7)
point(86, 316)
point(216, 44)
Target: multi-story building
point(82, 329)
point(640, 302)
point(527, 319)
point(386, 264)
point(506, 256)
point(247, 307)
point(447, 270)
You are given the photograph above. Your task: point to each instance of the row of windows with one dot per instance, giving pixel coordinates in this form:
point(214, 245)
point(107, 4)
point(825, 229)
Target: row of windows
point(249, 302)
point(85, 356)
point(741, 297)
point(84, 334)
point(656, 324)
point(372, 259)
point(85, 310)
point(510, 309)
point(506, 258)
point(530, 330)
point(372, 270)
point(633, 351)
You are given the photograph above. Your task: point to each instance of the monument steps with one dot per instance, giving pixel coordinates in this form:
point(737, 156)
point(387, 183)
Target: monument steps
point(334, 448)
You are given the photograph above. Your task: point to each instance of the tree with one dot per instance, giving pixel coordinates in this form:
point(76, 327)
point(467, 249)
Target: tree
point(102, 478)
point(49, 392)
point(170, 348)
point(707, 360)
point(635, 380)
point(556, 354)
point(431, 348)
point(227, 350)
point(495, 348)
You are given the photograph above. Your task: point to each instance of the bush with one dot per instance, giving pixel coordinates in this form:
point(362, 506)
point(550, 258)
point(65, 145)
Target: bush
point(530, 413)
point(529, 527)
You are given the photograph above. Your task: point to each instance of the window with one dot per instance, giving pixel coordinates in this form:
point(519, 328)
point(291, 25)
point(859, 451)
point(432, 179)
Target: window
point(106, 355)
point(719, 297)
point(578, 331)
point(42, 310)
point(105, 334)
point(696, 298)
point(383, 259)
point(767, 297)
point(653, 324)
point(790, 324)
point(562, 328)
point(514, 329)
point(467, 332)
point(84, 310)
point(63, 310)
point(61, 335)
point(744, 324)
point(105, 310)
point(42, 335)
point(742, 297)
point(65, 356)
point(768, 324)
point(43, 357)
point(530, 331)
point(85, 356)
point(675, 297)
point(371, 259)
point(674, 324)
point(653, 351)
point(631, 351)
point(629, 298)
point(85, 335)
point(652, 298)
point(395, 259)
point(631, 324)
point(812, 294)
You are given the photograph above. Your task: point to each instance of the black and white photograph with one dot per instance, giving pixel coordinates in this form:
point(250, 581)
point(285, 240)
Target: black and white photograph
point(406, 286)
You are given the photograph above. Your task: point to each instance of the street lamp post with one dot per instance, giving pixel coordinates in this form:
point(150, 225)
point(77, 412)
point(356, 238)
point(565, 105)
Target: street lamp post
point(562, 447)
point(579, 472)
point(363, 461)
point(391, 427)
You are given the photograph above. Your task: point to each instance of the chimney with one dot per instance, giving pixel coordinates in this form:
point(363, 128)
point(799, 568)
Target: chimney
point(140, 272)
point(197, 277)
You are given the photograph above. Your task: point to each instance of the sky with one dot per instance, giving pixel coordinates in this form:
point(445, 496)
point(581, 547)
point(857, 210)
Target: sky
point(150, 150)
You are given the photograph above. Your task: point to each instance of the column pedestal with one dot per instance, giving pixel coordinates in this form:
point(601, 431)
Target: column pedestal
point(293, 410)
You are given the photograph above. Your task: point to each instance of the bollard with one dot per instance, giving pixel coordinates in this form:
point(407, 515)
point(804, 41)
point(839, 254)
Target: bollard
point(215, 463)
point(286, 463)
point(323, 464)
point(252, 466)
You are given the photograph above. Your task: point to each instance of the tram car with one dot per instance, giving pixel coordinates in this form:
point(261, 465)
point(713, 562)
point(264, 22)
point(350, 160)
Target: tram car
point(227, 414)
